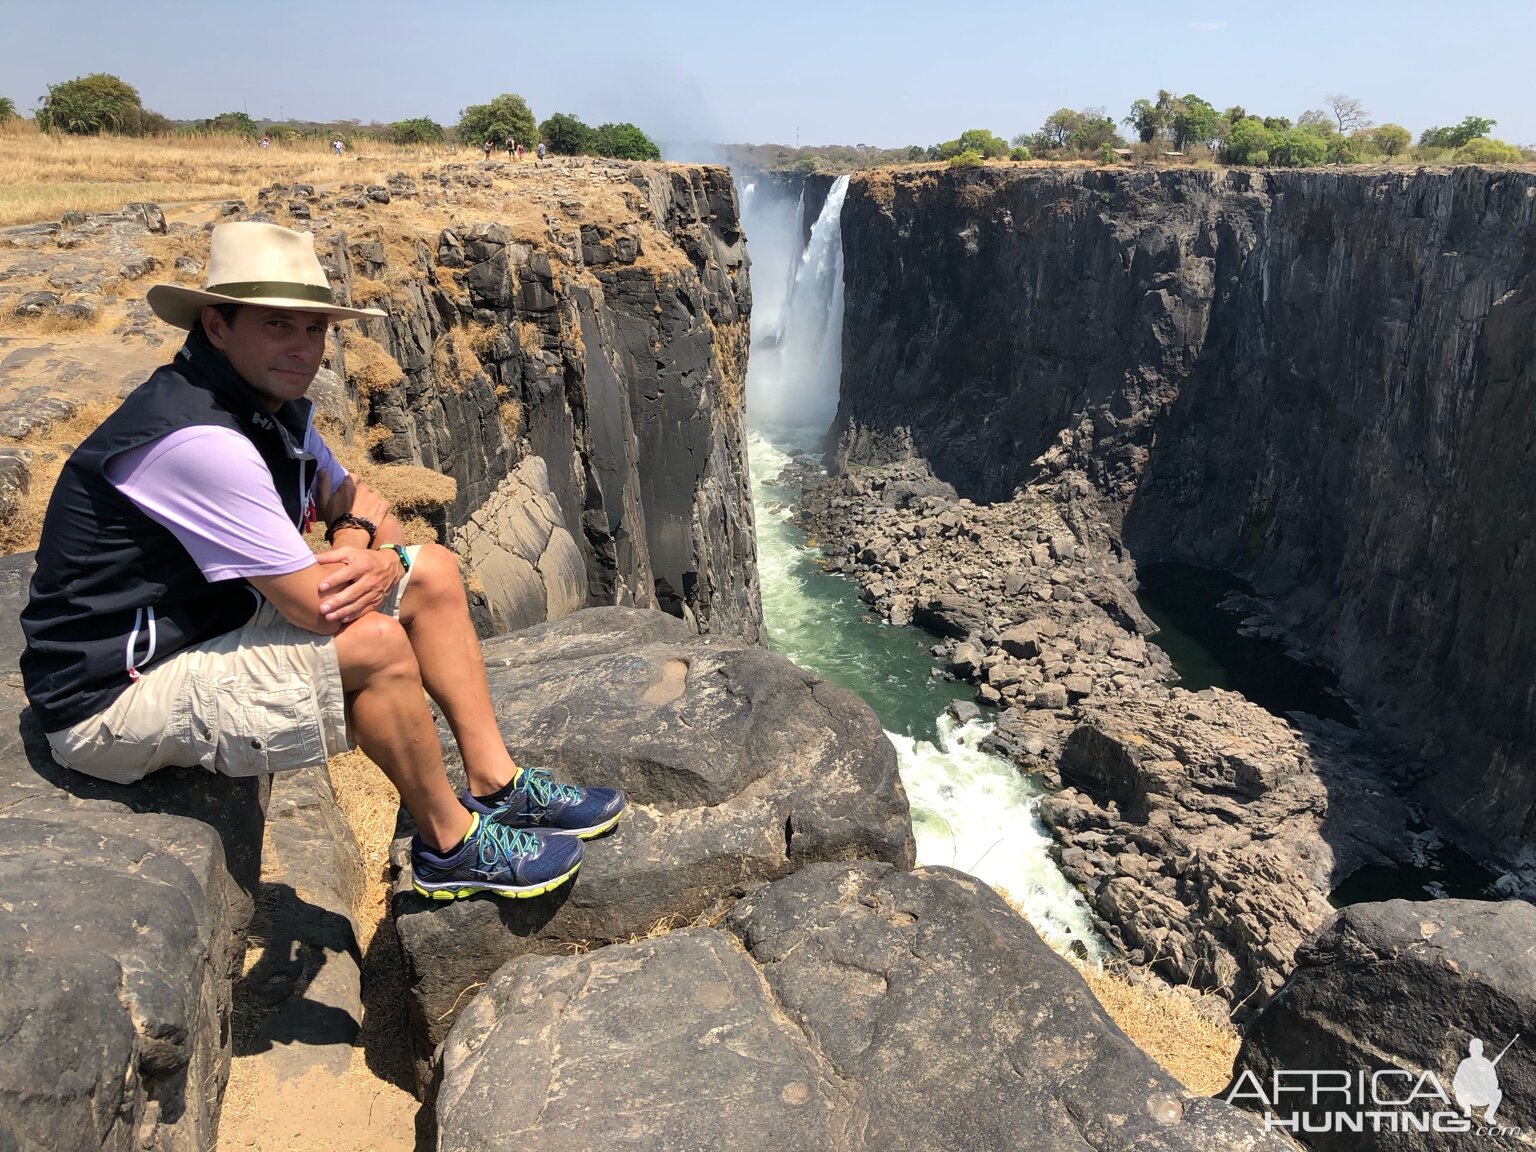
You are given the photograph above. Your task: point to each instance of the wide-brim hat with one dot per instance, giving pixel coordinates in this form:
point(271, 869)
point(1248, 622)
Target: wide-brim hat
point(254, 263)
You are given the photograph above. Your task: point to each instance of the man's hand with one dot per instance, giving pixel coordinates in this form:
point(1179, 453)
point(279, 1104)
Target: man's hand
point(356, 581)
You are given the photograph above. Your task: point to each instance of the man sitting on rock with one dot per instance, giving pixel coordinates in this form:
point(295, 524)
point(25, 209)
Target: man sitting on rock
point(177, 616)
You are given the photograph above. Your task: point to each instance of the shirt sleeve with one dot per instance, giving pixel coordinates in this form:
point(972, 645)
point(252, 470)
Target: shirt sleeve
point(325, 461)
point(211, 489)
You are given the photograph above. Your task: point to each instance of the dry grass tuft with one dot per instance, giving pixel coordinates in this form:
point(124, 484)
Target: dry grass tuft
point(366, 293)
point(1168, 1028)
point(409, 486)
point(463, 341)
point(530, 338)
point(511, 412)
point(50, 324)
point(482, 338)
point(369, 366)
point(49, 450)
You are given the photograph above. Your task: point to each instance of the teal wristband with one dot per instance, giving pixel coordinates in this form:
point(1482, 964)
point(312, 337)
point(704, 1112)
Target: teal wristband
point(398, 550)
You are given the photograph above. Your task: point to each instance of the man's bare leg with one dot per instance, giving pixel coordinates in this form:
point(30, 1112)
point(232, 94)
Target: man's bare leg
point(389, 718)
point(435, 613)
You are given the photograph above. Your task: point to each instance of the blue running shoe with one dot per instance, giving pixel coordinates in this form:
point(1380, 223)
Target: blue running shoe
point(535, 800)
point(511, 862)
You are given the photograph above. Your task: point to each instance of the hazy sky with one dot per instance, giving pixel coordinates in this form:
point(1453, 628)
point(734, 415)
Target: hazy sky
point(827, 72)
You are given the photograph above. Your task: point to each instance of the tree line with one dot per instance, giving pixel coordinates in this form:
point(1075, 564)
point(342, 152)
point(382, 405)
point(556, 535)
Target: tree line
point(1184, 127)
point(102, 103)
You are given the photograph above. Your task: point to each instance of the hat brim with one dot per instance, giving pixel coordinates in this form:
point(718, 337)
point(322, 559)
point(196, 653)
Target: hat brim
point(180, 306)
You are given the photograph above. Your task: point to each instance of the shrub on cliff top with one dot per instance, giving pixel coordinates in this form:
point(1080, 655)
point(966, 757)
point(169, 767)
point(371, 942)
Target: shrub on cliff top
point(505, 118)
point(7, 108)
point(970, 158)
point(566, 135)
point(1486, 151)
point(623, 141)
point(985, 144)
point(421, 130)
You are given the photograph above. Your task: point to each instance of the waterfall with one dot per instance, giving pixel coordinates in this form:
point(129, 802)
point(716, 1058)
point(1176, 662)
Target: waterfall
point(797, 313)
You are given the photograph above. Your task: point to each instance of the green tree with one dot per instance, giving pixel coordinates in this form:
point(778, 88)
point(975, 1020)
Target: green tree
point(1299, 148)
point(1084, 131)
point(978, 140)
point(967, 158)
point(991, 146)
point(1482, 150)
point(1195, 121)
point(916, 152)
point(1148, 119)
point(421, 130)
point(623, 141)
point(1278, 123)
point(1390, 139)
point(1317, 122)
point(1019, 152)
point(7, 109)
point(1457, 136)
point(505, 118)
point(89, 105)
point(237, 123)
point(566, 135)
point(1249, 142)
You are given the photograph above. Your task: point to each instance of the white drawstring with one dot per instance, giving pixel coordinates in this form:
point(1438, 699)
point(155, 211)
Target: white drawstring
point(133, 639)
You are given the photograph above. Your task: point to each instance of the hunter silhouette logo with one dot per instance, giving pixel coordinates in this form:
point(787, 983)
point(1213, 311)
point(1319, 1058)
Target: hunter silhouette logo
point(1391, 1099)
point(1477, 1082)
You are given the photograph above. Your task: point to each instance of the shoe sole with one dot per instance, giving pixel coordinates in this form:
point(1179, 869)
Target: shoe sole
point(585, 833)
point(505, 892)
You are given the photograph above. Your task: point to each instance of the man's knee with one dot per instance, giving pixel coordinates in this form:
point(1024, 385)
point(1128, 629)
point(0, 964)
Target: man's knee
point(373, 643)
point(434, 574)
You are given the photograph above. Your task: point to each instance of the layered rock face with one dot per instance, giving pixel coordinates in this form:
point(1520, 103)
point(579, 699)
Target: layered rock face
point(604, 332)
point(1319, 381)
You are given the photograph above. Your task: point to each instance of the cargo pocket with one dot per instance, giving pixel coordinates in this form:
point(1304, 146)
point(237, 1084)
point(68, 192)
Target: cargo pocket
point(253, 729)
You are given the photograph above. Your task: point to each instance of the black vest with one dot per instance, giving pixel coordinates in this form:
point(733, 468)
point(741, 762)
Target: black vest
point(115, 592)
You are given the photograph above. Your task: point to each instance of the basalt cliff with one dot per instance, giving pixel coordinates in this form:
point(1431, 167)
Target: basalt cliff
point(1322, 382)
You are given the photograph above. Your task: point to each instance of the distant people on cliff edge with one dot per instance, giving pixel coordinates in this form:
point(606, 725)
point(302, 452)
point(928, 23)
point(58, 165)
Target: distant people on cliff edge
point(520, 152)
point(178, 617)
point(487, 149)
point(337, 146)
point(266, 141)
point(511, 149)
point(541, 152)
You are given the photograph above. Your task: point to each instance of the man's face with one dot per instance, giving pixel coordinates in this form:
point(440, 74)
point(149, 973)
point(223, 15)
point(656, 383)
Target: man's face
point(275, 351)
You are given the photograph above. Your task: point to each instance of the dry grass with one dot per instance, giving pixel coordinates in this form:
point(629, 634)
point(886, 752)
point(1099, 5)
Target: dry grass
point(367, 293)
point(511, 412)
point(1168, 1028)
point(462, 341)
point(530, 338)
point(369, 366)
point(49, 450)
point(50, 324)
point(43, 176)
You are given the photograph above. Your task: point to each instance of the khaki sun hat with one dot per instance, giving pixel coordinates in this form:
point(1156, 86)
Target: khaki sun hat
point(253, 263)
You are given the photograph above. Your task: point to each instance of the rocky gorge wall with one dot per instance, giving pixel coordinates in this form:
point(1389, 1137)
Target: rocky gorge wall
point(1319, 381)
point(594, 329)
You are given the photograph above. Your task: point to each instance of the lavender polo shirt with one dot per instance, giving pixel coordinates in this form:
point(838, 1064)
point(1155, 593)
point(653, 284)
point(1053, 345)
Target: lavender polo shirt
point(210, 488)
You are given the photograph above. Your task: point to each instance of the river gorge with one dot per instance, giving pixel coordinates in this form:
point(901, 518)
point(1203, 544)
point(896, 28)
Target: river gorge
point(862, 529)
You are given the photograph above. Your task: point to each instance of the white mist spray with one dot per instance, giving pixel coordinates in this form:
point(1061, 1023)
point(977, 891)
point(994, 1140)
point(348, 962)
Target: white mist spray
point(797, 336)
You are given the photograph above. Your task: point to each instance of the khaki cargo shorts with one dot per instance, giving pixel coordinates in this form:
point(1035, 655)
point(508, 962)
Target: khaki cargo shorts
point(264, 698)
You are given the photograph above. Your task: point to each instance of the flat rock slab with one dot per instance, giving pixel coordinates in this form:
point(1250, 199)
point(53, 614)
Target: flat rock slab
point(1405, 985)
point(849, 1006)
point(739, 766)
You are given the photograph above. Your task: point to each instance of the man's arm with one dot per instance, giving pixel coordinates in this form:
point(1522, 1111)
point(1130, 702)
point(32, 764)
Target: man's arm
point(328, 595)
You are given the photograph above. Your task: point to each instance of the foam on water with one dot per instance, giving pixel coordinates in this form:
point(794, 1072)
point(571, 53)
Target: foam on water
point(970, 810)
